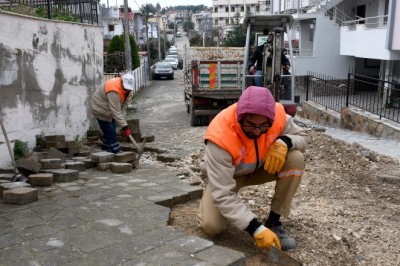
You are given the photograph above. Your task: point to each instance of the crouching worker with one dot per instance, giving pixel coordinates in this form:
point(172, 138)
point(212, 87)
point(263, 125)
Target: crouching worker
point(250, 143)
point(107, 105)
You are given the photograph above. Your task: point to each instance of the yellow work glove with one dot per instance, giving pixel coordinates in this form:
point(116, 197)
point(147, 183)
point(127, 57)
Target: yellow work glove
point(275, 157)
point(266, 238)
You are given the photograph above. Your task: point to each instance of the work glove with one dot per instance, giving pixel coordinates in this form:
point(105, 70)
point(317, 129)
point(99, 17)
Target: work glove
point(126, 131)
point(265, 238)
point(275, 157)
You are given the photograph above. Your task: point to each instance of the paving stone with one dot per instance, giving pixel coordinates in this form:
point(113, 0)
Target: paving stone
point(27, 167)
point(125, 157)
point(191, 244)
point(89, 163)
point(80, 166)
point(63, 175)
point(54, 138)
point(57, 145)
point(6, 178)
point(10, 185)
point(10, 240)
point(148, 138)
point(168, 158)
point(51, 163)
point(221, 256)
point(41, 179)
point(120, 167)
point(20, 195)
point(102, 157)
point(103, 166)
point(55, 153)
point(164, 256)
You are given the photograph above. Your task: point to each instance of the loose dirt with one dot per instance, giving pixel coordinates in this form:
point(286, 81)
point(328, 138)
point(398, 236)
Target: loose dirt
point(342, 214)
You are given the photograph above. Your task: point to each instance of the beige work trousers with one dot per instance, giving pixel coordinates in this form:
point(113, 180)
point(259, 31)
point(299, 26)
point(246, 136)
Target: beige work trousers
point(211, 221)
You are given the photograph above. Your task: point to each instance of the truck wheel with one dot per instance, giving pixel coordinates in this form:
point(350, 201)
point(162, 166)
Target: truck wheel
point(194, 120)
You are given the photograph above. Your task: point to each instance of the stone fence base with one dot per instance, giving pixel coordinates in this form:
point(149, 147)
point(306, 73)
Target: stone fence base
point(351, 118)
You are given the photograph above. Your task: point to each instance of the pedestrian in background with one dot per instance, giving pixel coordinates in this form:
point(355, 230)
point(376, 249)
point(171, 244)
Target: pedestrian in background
point(108, 105)
point(250, 143)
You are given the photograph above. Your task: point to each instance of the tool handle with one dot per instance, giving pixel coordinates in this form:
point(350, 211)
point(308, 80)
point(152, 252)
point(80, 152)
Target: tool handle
point(134, 142)
point(9, 147)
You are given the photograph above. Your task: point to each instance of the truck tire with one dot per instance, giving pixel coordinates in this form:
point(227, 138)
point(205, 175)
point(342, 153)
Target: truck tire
point(194, 120)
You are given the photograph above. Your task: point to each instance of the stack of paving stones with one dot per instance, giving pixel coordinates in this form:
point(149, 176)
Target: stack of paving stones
point(44, 168)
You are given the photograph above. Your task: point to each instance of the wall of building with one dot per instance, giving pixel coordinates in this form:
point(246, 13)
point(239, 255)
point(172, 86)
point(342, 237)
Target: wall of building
point(48, 70)
point(326, 52)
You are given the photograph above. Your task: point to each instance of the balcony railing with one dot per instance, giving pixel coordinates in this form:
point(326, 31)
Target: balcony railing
point(369, 23)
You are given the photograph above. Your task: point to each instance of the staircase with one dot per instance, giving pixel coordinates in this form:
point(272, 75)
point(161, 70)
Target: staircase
point(317, 7)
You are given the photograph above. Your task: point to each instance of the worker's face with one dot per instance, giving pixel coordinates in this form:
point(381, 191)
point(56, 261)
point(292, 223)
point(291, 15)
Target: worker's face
point(254, 125)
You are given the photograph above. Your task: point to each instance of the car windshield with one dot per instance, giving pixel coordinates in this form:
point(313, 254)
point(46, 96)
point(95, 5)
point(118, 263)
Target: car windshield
point(169, 59)
point(163, 65)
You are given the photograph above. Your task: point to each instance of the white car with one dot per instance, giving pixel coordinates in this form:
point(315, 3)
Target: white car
point(172, 61)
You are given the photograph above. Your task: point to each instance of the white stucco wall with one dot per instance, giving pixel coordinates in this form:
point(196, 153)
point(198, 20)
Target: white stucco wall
point(366, 43)
point(48, 70)
point(327, 59)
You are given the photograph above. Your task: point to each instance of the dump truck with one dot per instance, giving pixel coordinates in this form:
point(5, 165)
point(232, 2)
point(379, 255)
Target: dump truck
point(215, 77)
point(212, 80)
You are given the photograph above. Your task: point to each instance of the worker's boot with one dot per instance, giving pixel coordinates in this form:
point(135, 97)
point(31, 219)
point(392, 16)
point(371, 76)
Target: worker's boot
point(287, 242)
point(273, 223)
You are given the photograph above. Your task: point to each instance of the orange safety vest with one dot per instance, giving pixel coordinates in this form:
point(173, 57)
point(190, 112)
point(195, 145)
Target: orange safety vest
point(225, 131)
point(115, 84)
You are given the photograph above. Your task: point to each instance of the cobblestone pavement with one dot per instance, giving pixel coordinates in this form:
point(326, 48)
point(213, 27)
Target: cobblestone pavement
point(386, 147)
point(107, 219)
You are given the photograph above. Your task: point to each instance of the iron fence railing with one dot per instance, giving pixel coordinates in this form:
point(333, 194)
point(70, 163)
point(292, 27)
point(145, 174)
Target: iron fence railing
point(377, 96)
point(85, 11)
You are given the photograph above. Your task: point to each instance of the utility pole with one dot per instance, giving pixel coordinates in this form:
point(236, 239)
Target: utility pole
point(164, 19)
point(158, 37)
point(147, 43)
point(128, 55)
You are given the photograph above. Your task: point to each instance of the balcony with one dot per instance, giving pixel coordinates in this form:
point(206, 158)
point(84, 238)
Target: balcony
point(366, 38)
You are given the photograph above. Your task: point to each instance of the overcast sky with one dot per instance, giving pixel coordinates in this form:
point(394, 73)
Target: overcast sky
point(136, 4)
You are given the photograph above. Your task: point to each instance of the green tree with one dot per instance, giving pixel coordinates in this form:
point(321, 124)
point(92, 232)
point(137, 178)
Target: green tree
point(196, 41)
point(115, 58)
point(237, 37)
point(134, 53)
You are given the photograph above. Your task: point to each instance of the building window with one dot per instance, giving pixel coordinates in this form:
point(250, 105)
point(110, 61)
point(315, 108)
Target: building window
point(232, 9)
point(216, 10)
point(227, 21)
point(257, 8)
point(216, 22)
point(226, 9)
point(247, 8)
point(110, 27)
point(242, 9)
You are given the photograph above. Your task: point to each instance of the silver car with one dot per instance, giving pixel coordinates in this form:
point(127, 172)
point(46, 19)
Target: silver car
point(172, 61)
point(162, 69)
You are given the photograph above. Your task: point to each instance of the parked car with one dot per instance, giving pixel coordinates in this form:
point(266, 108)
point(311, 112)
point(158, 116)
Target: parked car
point(174, 56)
point(162, 69)
point(172, 61)
point(178, 34)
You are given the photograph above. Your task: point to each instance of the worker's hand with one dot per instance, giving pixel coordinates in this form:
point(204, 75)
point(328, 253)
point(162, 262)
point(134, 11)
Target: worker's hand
point(252, 70)
point(275, 157)
point(126, 131)
point(286, 67)
point(265, 238)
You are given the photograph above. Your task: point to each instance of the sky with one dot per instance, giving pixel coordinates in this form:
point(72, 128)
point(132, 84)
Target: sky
point(136, 4)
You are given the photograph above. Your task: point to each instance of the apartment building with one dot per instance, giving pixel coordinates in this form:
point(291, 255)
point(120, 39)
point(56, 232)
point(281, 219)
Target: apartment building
point(224, 11)
point(333, 37)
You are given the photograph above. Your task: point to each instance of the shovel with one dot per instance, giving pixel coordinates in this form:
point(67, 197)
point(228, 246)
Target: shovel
point(140, 148)
point(279, 257)
point(17, 176)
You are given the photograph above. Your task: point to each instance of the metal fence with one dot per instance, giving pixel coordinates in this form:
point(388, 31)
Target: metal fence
point(378, 96)
point(85, 11)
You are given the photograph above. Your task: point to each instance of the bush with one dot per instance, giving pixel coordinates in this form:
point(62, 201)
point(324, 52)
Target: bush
point(21, 149)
